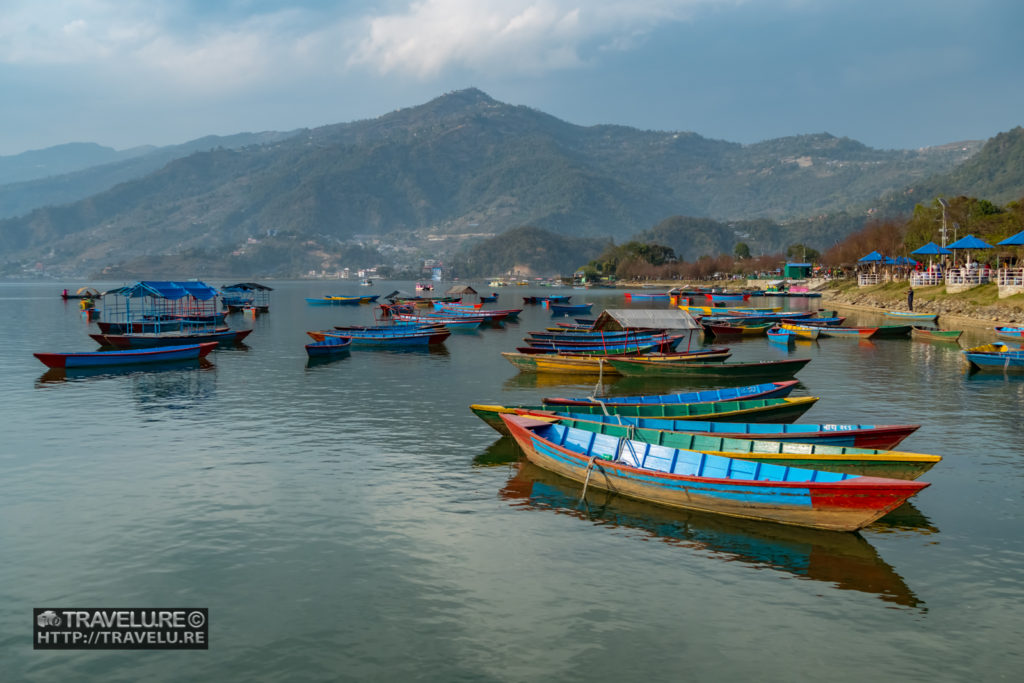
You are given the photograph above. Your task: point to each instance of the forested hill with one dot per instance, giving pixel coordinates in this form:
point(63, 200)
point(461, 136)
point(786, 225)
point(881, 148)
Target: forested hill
point(461, 164)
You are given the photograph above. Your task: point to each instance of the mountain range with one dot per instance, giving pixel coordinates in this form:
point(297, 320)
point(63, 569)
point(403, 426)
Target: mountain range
point(433, 180)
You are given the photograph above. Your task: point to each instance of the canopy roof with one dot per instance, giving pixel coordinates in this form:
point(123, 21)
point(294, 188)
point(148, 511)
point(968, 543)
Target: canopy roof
point(1013, 241)
point(460, 289)
point(931, 249)
point(871, 258)
point(969, 242)
point(249, 286)
point(627, 318)
point(166, 289)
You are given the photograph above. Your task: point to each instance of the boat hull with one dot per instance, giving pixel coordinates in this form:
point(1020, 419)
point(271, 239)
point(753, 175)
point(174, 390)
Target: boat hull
point(101, 359)
point(845, 505)
point(143, 341)
point(763, 369)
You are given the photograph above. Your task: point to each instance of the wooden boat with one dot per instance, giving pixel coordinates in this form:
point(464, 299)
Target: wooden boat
point(663, 342)
point(858, 435)
point(597, 364)
point(892, 331)
point(488, 298)
point(164, 323)
point(145, 340)
point(765, 390)
point(451, 322)
point(726, 330)
point(569, 309)
point(710, 483)
point(329, 346)
point(778, 335)
point(829, 321)
point(715, 298)
point(910, 315)
point(724, 310)
point(800, 331)
point(753, 410)
point(930, 334)
point(625, 349)
point(994, 358)
point(334, 300)
point(830, 331)
point(643, 296)
point(766, 368)
point(851, 460)
point(1010, 333)
point(381, 337)
point(97, 359)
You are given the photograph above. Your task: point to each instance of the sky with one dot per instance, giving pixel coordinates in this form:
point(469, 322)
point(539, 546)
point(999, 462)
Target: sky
point(893, 74)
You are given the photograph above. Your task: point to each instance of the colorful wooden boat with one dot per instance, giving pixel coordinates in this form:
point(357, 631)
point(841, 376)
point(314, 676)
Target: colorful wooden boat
point(994, 358)
point(753, 410)
point(662, 342)
point(595, 364)
point(910, 315)
point(723, 297)
point(851, 460)
point(800, 331)
point(833, 331)
point(1010, 333)
point(98, 359)
point(642, 296)
point(145, 340)
point(243, 295)
point(736, 330)
point(569, 309)
point(858, 435)
point(725, 310)
point(777, 335)
point(828, 321)
point(710, 483)
point(334, 300)
point(329, 346)
point(765, 390)
point(767, 369)
point(387, 338)
point(930, 334)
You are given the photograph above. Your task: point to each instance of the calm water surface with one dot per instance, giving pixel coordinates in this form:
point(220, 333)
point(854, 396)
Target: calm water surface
point(353, 520)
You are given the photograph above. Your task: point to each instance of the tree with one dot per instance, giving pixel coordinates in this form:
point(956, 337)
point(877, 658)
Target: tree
point(741, 250)
point(802, 252)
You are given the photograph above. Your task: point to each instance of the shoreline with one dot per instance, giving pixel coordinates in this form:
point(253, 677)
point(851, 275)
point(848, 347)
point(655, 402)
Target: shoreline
point(954, 319)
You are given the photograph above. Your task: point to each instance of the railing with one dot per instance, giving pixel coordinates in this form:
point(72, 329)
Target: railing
point(1010, 277)
point(958, 276)
point(926, 279)
point(868, 279)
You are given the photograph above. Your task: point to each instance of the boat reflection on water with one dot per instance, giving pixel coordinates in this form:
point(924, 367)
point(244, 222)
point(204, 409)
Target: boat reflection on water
point(845, 560)
point(314, 362)
point(59, 375)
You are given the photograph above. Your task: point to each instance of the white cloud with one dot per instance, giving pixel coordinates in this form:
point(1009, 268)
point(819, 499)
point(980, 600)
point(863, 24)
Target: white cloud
point(508, 36)
point(202, 47)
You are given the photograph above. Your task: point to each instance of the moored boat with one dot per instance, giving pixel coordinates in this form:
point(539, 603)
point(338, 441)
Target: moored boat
point(930, 334)
point(994, 358)
point(1010, 333)
point(764, 390)
point(144, 340)
point(699, 481)
point(329, 346)
point(759, 369)
point(910, 315)
point(852, 460)
point(97, 359)
point(753, 410)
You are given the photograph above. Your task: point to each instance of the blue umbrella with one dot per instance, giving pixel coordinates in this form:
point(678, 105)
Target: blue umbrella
point(873, 257)
point(1015, 241)
point(932, 249)
point(904, 261)
point(970, 242)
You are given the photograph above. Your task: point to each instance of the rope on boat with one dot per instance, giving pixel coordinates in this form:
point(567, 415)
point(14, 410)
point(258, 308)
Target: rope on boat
point(586, 482)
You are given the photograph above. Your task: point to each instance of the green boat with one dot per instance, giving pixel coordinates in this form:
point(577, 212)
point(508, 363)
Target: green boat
point(781, 410)
point(765, 369)
point(931, 334)
point(864, 461)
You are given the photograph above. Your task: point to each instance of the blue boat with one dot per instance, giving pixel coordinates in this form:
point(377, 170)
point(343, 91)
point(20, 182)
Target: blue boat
point(777, 335)
point(568, 309)
point(99, 359)
point(765, 390)
point(994, 358)
point(916, 317)
point(388, 338)
point(693, 480)
point(329, 346)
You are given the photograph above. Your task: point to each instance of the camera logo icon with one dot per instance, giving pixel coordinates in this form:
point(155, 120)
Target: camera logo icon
point(48, 618)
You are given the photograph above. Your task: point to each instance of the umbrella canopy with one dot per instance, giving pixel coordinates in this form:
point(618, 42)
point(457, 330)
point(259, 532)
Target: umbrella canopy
point(873, 257)
point(932, 249)
point(969, 242)
point(1014, 241)
point(904, 261)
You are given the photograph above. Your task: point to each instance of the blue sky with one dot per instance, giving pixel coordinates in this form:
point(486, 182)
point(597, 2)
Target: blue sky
point(893, 74)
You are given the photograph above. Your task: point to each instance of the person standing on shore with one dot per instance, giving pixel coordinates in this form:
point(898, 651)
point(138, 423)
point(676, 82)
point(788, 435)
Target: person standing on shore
point(910, 299)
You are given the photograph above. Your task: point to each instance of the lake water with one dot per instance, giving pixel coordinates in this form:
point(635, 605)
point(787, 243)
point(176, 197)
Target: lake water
point(354, 520)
